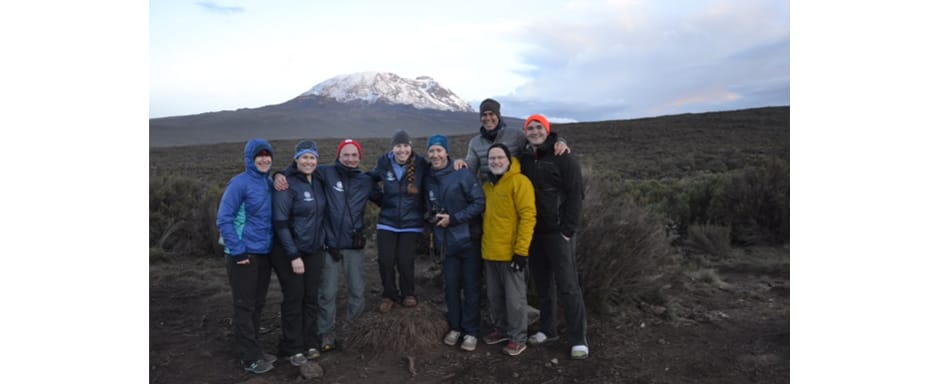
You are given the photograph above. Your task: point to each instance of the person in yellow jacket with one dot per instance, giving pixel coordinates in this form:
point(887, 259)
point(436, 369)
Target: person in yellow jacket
point(508, 225)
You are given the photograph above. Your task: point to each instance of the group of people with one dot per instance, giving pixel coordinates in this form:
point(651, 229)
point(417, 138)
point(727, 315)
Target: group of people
point(515, 197)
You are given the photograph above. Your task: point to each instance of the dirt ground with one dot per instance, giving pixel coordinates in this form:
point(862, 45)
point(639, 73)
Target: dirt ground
point(724, 323)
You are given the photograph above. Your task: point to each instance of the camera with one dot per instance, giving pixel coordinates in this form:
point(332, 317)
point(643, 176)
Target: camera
point(431, 217)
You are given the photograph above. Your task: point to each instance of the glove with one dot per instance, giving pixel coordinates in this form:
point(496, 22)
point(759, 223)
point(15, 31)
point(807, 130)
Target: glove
point(518, 263)
point(335, 253)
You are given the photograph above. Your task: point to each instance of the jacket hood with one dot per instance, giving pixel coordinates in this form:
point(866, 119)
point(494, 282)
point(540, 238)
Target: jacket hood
point(251, 149)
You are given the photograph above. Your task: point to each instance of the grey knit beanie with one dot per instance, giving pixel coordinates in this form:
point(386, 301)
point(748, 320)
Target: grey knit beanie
point(401, 137)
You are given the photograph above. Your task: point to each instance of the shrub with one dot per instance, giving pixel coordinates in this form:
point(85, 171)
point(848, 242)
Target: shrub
point(714, 240)
point(622, 248)
point(182, 215)
point(756, 204)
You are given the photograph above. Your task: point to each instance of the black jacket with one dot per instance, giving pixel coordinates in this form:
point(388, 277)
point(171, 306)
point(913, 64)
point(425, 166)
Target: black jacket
point(400, 209)
point(299, 214)
point(559, 189)
point(347, 192)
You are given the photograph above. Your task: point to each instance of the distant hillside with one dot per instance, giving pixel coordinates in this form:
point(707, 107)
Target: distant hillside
point(650, 148)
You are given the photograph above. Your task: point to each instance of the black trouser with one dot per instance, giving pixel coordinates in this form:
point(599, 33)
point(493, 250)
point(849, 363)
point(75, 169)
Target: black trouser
point(397, 251)
point(551, 263)
point(249, 284)
point(299, 309)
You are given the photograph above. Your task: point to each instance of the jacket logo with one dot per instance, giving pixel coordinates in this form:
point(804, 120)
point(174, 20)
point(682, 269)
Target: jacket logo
point(389, 176)
point(431, 196)
point(307, 196)
point(338, 187)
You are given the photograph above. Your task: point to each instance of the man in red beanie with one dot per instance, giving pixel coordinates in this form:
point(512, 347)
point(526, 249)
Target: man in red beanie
point(558, 194)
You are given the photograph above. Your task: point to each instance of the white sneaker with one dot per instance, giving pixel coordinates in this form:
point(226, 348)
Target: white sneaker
point(298, 359)
point(469, 343)
point(579, 352)
point(540, 338)
point(451, 338)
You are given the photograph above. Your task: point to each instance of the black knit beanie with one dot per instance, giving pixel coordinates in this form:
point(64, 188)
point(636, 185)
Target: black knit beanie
point(492, 106)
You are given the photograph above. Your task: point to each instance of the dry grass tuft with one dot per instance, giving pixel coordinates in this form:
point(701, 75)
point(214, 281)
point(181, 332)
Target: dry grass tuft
point(401, 331)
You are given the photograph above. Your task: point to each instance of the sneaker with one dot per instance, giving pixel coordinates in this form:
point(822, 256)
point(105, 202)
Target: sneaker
point(312, 353)
point(297, 359)
point(451, 338)
point(579, 352)
point(512, 348)
point(494, 338)
point(469, 343)
point(386, 305)
point(268, 357)
point(259, 366)
point(329, 343)
point(540, 338)
point(410, 301)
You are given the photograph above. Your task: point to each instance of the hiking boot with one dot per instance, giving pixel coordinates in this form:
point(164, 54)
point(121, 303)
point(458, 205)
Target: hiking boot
point(540, 338)
point(268, 357)
point(386, 305)
point(451, 338)
point(494, 338)
point(410, 301)
point(312, 353)
point(469, 343)
point(512, 348)
point(329, 343)
point(297, 359)
point(579, 352)
point(259, 366)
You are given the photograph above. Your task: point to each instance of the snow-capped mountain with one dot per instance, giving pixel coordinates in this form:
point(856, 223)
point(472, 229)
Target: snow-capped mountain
point(385, 87)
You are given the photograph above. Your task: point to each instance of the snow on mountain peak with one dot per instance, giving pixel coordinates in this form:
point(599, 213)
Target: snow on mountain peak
point(422, 92)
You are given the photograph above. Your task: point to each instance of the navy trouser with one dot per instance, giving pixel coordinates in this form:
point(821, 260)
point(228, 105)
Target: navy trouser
point(249, 284)
point(462, 274)
point(552, 264)
point(300, 307)
point(397, 252)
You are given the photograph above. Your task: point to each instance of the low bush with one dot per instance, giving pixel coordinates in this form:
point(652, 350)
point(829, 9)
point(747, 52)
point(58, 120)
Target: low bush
point(714, 240)
point(622, 248)
point(182, 215)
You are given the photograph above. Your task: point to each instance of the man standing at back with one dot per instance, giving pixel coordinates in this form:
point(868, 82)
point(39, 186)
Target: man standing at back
point(558, 195)
point(493, 130)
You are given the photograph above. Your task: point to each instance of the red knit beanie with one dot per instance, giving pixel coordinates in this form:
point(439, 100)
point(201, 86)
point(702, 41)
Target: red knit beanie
point(346, 142)
point(541, 119)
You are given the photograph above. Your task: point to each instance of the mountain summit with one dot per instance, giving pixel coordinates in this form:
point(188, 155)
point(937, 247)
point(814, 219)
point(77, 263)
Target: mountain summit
point(389, 88)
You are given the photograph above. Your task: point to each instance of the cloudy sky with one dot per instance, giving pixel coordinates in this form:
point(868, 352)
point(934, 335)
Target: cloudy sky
point(580, 60)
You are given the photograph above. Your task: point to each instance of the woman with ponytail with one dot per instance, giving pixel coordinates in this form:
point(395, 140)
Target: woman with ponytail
point(401, 173)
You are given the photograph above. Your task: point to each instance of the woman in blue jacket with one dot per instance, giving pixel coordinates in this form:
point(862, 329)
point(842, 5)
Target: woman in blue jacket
point(244, 222)
point(455, 200)
point(298, 219)
point(401, 173)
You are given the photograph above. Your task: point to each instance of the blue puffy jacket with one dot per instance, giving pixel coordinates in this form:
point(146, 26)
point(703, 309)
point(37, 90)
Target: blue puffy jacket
point(400, 210)
point(460, 195)
point(347, 191)
point(299, 214)
point(244, 217)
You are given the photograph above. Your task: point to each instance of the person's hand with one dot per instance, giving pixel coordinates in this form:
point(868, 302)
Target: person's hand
point(460, 163)
point(561, 148)
point(335, 254)
point(280, 182)
point(443, 220)
point(518, 263)
point(297, 265)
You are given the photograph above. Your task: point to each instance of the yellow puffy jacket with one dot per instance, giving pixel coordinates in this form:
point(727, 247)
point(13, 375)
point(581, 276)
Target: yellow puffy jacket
point(509, 218)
